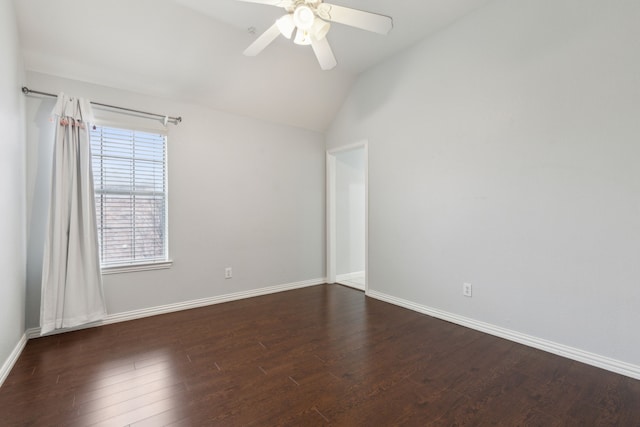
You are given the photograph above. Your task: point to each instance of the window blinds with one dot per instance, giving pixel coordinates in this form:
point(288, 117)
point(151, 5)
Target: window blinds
point(130, 179)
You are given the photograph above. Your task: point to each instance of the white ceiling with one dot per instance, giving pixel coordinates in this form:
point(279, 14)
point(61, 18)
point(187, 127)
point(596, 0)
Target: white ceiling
point(191, 50)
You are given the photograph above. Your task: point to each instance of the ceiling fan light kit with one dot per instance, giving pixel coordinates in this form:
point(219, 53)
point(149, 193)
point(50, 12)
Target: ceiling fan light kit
point(320, 28)
point(309, 19)
point(303, 17)
point(302, 38)
point(286, 25)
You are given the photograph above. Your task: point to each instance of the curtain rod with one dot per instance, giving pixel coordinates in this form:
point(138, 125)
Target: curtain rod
point(176, 120)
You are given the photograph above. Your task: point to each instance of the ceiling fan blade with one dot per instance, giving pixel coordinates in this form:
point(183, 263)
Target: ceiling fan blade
point(263, 41)
point(377, 23)
point(324, 53)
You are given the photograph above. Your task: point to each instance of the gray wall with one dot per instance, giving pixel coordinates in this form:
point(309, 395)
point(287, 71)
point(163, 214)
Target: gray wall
point(504, 152)
point(12, 184)
point(242, 193)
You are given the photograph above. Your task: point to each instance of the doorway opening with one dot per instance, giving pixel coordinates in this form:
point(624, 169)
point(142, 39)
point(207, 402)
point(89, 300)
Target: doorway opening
point(347, 216)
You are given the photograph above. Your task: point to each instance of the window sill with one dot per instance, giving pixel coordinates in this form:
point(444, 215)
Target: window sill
point(161, 265)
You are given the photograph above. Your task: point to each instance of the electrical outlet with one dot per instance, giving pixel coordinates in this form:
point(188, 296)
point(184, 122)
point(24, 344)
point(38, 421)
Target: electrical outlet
point(228, 273)
point(467, 290)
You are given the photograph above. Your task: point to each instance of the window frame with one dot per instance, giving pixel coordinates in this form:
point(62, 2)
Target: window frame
point(133, 265)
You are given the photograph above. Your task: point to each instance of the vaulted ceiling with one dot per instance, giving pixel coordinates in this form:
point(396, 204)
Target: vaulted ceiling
point(191, 50)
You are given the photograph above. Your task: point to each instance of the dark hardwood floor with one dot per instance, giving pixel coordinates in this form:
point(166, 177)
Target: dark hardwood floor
point(324, 355)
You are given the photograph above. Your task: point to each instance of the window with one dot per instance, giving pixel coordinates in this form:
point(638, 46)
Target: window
point(130, 179)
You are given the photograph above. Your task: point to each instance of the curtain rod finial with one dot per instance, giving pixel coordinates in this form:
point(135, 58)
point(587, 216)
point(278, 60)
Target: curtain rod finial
point(25, 90)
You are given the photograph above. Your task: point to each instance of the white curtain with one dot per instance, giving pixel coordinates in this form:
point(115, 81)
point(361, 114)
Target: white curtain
point(71, 279)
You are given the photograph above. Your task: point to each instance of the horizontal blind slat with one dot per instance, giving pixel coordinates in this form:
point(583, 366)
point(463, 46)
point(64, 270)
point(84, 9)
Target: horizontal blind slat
point(130, 184)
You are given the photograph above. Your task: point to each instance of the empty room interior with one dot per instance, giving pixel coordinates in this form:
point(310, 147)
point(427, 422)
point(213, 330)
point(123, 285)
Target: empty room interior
point(308, 212)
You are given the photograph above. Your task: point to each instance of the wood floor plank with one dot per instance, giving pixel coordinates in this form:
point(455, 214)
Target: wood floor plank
point(128, 416)
point(128, 397)
point(173, 416)
point(324, 355)
point(125, 408)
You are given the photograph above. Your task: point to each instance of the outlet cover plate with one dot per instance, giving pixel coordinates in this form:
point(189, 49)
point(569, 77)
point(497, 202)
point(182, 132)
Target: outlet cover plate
point(467, 290)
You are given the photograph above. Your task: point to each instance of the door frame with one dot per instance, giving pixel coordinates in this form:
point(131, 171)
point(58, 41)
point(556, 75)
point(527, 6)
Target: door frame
point(331, 210)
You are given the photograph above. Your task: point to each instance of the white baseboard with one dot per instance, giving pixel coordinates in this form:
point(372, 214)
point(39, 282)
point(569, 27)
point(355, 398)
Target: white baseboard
point(592, 359)
point(137, 314)
point(186, 305)
point(13, 358)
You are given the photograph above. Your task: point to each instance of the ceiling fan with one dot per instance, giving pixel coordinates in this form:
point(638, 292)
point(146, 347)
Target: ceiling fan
point(308, 18)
